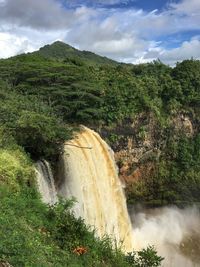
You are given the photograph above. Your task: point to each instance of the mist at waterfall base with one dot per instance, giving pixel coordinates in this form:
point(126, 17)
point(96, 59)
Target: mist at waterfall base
point(174, 232)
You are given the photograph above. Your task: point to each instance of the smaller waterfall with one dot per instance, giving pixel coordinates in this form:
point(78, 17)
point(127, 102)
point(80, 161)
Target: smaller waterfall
point(45, 182)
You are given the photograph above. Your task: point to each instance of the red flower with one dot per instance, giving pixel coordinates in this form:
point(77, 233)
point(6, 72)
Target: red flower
point(80, 250)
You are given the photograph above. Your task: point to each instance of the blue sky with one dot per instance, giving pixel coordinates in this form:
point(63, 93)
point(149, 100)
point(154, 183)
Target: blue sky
point(133, 31)
point(147, 5)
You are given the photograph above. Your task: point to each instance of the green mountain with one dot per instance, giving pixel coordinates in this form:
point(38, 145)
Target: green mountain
point(61, 51)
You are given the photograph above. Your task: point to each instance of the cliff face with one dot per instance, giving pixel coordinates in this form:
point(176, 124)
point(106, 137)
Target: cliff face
point(134, 143)
point(139, 144)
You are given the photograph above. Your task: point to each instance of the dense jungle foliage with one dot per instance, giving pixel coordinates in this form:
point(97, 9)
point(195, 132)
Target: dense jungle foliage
point(44, 96)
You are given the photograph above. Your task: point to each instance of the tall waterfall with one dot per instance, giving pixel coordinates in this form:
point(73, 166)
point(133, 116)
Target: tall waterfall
point(88, 173)
point(45, 181)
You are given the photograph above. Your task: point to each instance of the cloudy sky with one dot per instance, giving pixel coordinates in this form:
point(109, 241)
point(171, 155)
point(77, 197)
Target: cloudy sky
point(128, 30)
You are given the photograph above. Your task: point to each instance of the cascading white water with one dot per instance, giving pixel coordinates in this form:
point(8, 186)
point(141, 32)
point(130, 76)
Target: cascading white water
point(88, 173)
point(45, 182)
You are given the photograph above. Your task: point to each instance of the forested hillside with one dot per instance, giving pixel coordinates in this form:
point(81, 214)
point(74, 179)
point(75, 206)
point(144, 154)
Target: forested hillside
point(149, 113)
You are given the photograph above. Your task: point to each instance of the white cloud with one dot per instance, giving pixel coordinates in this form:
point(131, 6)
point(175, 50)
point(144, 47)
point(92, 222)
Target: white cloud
point(114, 46)
point(23, 40)
point(188, 7)
point(37, 14)
point(187, 50)
point(10, 45)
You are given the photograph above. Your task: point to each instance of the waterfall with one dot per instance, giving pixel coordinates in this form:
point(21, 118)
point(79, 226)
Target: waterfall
point(45, 182)
point(88, 173)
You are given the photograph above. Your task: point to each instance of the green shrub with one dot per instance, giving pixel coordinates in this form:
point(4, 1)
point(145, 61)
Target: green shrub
point(145, 258)
point(15, 169)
